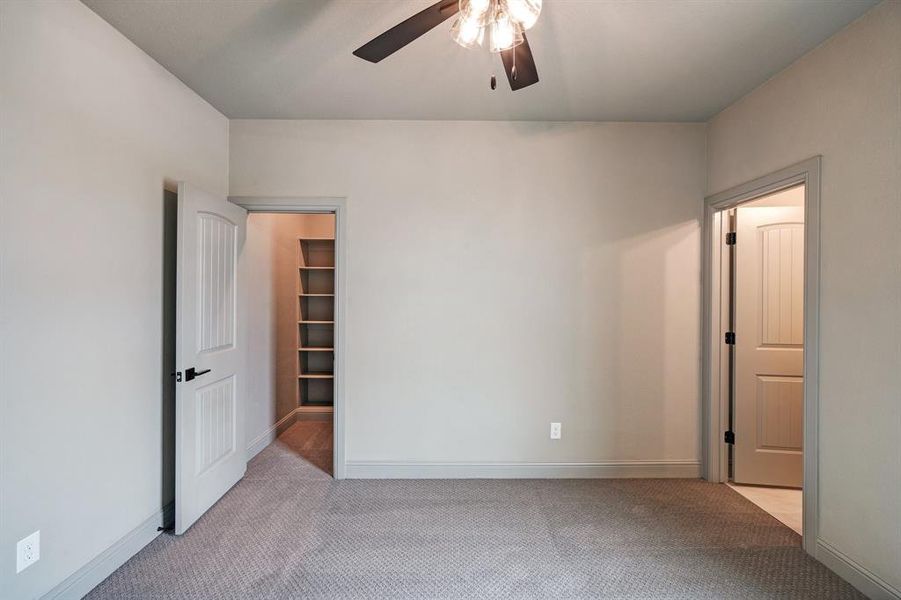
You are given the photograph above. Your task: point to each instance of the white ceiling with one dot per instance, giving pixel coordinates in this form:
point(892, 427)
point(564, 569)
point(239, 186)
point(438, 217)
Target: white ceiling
point(599, 60)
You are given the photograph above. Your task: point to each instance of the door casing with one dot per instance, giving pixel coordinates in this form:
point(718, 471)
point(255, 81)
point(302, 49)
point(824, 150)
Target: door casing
point(714, 357)
point(317, 205)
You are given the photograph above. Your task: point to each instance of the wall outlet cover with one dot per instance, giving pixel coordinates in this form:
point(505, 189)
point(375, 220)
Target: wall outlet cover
point(28, 551)
point(556, 431)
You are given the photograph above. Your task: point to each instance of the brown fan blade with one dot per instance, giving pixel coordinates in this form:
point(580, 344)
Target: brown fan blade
point(402, 34)
point(521, 57)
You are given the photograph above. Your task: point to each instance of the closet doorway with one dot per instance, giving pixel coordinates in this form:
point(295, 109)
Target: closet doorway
point(292, 265)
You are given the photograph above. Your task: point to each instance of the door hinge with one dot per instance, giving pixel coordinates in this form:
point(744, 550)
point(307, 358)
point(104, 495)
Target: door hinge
point(730, 238)
point(729, 437)
point(730, 338)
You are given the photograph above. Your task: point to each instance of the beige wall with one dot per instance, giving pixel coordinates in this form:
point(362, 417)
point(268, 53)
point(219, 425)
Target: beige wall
point(501, 276)
point(92, 128)
point(843, 101)
point(268, 265)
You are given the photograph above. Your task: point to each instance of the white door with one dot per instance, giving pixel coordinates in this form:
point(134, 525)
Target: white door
point(769, 346)
point(209, 427)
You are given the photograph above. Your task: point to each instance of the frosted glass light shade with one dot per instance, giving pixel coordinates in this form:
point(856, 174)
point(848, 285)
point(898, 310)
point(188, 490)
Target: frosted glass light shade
point(505, 33)
point(468, 32)
point(475, 8)
point(524, 11)
point(504, 21)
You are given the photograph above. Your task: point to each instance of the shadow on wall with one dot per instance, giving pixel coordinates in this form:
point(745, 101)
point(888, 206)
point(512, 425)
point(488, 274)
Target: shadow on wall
point(656, 307)
point(167, 441)
point(626, 346)
point(272, 29)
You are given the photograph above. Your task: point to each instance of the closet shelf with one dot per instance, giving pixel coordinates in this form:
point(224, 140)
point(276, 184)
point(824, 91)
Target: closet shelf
point(315, 314)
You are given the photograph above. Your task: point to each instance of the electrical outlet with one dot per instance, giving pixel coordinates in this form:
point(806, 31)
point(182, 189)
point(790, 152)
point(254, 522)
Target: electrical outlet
point(28, 551)
point(556, 431)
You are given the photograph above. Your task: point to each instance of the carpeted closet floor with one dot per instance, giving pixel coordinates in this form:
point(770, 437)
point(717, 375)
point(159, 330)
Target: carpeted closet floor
point(287, 530)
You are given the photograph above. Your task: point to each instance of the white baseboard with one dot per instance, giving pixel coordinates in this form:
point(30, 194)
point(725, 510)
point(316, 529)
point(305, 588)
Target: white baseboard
point(514, 470)
point(82, 581)
point(267, 437)
point(868, 583)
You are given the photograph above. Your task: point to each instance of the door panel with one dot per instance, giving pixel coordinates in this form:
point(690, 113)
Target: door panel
point(214, 416)
point(769, 352)
point(781, 254)
point(210, 453)
point(216, 252)
point(780, 404)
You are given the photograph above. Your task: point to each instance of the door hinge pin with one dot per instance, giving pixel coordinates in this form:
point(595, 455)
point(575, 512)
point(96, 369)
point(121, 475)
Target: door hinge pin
point(729, 437)
point(730, 337)
point(730, 238)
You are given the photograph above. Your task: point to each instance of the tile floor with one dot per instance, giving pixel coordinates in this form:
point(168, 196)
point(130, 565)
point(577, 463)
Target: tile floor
point(782, 503)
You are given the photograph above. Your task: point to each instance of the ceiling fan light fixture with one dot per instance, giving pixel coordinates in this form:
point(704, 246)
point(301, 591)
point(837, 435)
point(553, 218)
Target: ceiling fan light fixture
point(505, 32)
point(468, 31)
point(504, 20)
point(525, 12)
point(474, 20)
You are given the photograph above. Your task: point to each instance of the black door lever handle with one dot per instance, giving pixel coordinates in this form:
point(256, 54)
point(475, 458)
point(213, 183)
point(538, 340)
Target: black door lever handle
point(191, 373)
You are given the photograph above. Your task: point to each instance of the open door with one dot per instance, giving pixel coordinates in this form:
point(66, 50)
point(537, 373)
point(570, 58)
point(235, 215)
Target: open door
point(769, 346)
point(209, 423)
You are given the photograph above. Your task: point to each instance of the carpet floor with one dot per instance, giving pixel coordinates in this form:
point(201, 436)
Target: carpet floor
point(287, 531)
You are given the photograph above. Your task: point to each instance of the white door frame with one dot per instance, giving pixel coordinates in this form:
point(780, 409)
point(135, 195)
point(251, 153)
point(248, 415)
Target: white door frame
point(314, 205)
point(715, 410)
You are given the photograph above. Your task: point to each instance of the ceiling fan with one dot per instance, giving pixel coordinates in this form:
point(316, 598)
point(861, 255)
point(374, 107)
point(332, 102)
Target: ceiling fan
point(505, 22)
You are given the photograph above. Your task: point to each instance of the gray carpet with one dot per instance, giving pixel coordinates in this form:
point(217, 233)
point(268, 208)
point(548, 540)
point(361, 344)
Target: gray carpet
point(289, 531)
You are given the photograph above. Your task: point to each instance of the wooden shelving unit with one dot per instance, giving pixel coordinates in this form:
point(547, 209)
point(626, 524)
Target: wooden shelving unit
point(316, 321)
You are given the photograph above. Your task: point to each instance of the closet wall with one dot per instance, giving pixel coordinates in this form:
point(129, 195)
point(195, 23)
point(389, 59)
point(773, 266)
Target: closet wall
point(269, 265)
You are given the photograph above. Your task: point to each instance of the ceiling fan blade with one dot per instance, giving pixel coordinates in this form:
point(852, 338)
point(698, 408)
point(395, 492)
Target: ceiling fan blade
point(402, 34)
point(521, 57)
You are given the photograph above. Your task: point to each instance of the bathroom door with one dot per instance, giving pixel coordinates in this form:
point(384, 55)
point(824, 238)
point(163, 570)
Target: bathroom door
point(769, 346)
